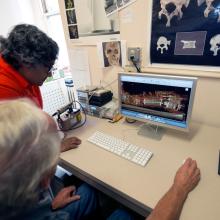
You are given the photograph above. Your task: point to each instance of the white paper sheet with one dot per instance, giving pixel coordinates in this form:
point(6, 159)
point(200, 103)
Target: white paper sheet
point(80, 67)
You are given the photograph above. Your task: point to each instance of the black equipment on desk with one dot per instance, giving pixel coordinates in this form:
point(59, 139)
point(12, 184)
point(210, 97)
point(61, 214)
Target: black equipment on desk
point(100, 97)
point(94, 96)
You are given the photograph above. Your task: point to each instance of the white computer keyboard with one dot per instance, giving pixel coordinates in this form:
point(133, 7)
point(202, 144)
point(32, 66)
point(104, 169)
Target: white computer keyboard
point(121, 148)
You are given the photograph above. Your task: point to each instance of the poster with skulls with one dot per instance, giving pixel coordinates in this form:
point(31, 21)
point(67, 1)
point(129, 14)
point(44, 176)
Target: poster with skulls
point(112, 53)
point(111, 6)
point(185, 32)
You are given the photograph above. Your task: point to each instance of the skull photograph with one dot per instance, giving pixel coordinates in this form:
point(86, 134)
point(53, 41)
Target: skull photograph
point(185, 32)
point(112, 53)
point(69, 4)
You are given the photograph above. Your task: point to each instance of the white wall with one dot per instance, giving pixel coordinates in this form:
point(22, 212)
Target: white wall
point(101, 22)
point(84, 16)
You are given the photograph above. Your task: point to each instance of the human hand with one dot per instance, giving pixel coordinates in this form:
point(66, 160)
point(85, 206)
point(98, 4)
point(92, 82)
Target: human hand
point(64, 197)
point(70, 143)
point(187, 177)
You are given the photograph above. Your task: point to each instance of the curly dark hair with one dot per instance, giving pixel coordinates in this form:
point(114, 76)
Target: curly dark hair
point(29, 46)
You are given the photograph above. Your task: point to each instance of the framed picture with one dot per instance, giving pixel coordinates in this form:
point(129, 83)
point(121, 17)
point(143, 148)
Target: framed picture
point(112, 6)
point(71, 16)
point(73, 32)
point(112, 53)
point(69, 4)
point(185, 32)
point(120, 3)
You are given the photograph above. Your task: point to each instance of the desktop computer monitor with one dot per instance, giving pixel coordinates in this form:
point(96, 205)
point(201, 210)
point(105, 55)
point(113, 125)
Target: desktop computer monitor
point(161, 100)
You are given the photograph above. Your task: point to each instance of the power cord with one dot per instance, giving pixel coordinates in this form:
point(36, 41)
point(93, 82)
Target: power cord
point(109, 84)
point(135, 64)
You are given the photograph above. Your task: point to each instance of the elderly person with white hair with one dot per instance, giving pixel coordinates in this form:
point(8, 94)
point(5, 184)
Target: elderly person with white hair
point(29, 152)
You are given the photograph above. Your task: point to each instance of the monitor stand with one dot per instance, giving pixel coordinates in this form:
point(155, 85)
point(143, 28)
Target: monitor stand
point(152, 131)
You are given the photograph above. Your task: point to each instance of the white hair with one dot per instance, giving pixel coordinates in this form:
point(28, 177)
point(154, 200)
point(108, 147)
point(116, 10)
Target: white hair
point(29, 148)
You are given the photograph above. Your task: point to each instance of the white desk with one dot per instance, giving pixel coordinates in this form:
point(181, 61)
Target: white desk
point(141, 187)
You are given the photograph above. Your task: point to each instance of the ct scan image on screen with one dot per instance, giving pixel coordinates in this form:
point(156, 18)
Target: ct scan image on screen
point(165, 101)
point(157, 99)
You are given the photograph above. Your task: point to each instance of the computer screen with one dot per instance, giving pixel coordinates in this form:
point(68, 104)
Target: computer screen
point(157, 99)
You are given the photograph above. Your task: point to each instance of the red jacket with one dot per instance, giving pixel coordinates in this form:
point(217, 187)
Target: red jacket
point(13, 85)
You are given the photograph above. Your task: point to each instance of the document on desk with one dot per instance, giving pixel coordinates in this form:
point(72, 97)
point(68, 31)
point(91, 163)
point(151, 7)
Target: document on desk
point(80, 67)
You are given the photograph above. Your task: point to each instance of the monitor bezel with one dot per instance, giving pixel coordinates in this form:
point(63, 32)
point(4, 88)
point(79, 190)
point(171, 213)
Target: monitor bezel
point(155, 75)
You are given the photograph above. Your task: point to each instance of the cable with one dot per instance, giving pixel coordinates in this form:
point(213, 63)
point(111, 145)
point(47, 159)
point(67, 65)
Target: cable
point(109, 83)
point(135, 64)
point(91, 96)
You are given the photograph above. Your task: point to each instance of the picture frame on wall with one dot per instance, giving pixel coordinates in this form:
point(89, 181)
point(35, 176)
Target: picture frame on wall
point(69, 4)
point(112, 6)
point(71, 16)
point(71, 19)
point(112, 53)
point(185, 35)
point(73, 31)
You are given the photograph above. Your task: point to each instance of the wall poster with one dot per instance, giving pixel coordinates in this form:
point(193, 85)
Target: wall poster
point(112, 53)
point(186, 32)
point(71, 19)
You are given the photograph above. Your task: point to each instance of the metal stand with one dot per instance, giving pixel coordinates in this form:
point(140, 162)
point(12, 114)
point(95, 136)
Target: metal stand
point(152, 131)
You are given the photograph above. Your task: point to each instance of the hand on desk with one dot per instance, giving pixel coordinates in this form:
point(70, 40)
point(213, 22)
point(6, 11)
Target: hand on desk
point(187, 177)
point(171, 204)
point(64, 197)
point(70, 143)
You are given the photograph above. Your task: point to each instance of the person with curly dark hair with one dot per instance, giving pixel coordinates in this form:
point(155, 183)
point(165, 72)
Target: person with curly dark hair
point(27, 57)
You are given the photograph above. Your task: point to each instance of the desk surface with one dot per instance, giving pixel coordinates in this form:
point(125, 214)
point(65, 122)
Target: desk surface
point(144, 186)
